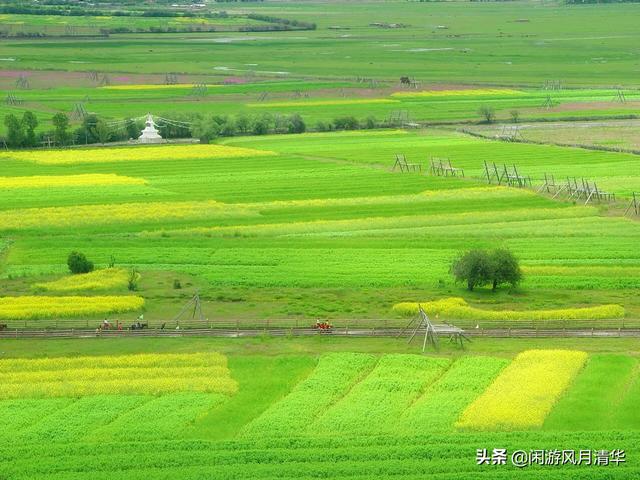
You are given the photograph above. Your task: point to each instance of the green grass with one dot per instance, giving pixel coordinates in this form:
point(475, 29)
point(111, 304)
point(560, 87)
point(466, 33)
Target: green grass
point(598, 396)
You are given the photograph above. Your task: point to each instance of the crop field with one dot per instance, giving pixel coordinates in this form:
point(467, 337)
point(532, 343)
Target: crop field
point(318, 212)
point(337, 403)
point(231, 293)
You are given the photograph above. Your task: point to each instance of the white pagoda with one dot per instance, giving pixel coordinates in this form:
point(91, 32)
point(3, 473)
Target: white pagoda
point(150, 133)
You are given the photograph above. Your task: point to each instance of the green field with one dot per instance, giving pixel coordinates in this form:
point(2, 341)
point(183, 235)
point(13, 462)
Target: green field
point(481, 43)
point(305, 226)
point(302, 417)
point(275, 201)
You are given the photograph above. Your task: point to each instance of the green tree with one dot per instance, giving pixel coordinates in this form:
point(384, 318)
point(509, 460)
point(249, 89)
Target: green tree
point(296, 124)
point(29, 124)
point(78, 263)
point(61, 124)
point(260, 127)
point(346, 123)
point(132, 129)
point(474, 267)
point(102, 131)
point(487, 113)
point(86, 133)
point(228, 128)
point(15, 132)
point(505, 268)
point(205, 129)
point(243, 123)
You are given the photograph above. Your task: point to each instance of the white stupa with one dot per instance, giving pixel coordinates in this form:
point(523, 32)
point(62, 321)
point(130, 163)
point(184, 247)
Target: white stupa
point(150, 133)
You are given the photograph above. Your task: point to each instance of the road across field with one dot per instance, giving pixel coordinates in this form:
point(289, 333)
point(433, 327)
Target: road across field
point(340, 332)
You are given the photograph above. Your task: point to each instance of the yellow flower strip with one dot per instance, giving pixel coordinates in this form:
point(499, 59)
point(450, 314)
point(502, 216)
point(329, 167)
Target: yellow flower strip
point(130, 154)
point(98, 280)
point(34, 307)
point(49, 181)
point(459, 93)
point(95, 215)
point(457, 308)
point(320, 103)
point(524, 393)
point(152, 374)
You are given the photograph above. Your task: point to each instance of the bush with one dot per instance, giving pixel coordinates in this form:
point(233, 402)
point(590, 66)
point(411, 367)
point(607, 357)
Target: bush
point(78, 263)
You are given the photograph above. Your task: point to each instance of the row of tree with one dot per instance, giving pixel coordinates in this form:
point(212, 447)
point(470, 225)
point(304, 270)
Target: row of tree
point(21, 132)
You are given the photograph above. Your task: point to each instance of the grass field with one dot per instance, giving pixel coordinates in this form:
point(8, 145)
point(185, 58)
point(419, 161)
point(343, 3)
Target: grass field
point(305, 402)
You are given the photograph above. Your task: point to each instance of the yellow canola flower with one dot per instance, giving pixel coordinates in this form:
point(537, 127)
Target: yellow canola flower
point(37, 307)
point(478, 92)
point(142, 360)
point(131, 154)
point(150, 86)
point(95, 215)
point(150, 374)
point(524, 393)
point(48, 181)
point(98, 280)
point(319, 103)
point(457, 308)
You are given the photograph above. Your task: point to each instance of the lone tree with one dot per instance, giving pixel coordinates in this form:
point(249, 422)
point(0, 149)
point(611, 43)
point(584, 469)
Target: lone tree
point(481, 267)
point(474, 267)
point(506, 268)
point(78, 263)
point(487, 113)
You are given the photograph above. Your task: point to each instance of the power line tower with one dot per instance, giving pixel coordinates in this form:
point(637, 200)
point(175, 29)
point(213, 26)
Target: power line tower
point(197, 309)
point(22, 82)
point(620, 97)
point(79, 111)
point(12, 101)
point(199, 90)
point(171, 79)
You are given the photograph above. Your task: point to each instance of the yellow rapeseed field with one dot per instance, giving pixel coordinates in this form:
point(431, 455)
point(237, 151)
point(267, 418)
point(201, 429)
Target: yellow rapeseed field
point(99, 280)
point(477, 92)
point(150, 374)
point(320, 103)
point(457, 308)
point(524, 393)
point(38, 307)
point(149, 86)
point(95, 215)
point(131, 154)
point(48, 181)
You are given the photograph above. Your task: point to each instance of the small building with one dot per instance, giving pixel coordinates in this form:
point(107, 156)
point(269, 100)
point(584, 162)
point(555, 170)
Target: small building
point(150, 133)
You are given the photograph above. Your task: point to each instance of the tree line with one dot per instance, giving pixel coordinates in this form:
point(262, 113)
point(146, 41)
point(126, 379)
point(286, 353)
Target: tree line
point(20, 131)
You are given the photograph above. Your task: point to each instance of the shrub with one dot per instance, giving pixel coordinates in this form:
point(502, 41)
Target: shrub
point(78, 263)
